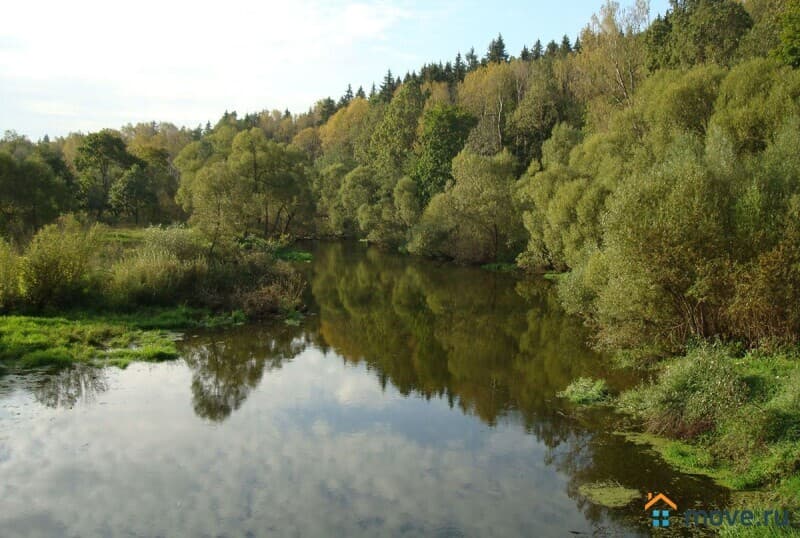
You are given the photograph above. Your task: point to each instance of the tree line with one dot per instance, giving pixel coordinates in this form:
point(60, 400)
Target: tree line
point(653, 160)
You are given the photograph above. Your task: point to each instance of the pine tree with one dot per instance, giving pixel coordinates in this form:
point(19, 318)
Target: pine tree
point(448, 73)
point(326, 108)
point(537, 51)
point(566, 46)
point(577, 46)
point(497, 51)
point(552, 50)
point(459, 68)
point(346, 98)
point(387, 87)
point(525, 54)
point(360, 93)
point(472, 60)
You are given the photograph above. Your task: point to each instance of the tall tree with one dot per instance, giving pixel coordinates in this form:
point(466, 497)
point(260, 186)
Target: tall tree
point(566, 46)
point(537, 51)
point(444, 130)
point(459, 68)
point(346, 98)
point(387, 87)
point(497, 50)
point(472, 59)
point(101, 160)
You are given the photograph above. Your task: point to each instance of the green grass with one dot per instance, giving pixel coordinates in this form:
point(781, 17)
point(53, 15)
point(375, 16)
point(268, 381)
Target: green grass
point(126, 237)
point(33, 342)
point(725, 414)
point(291, 255)
point(586, 391)
point(500, 267)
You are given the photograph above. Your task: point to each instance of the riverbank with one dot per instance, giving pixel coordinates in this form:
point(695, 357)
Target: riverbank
point(100, 339)
point(725, 413)
point(95, 294)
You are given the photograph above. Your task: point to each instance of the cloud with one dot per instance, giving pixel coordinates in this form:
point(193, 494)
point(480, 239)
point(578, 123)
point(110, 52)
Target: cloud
point(290, 461)
point(186, 60)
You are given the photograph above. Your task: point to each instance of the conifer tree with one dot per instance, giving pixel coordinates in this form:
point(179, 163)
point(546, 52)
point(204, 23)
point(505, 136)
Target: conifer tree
point(497, 51)
point(472, 60)
point(537, 51)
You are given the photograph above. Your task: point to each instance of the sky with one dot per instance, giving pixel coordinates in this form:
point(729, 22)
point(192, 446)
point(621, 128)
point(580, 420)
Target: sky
point(84, 65)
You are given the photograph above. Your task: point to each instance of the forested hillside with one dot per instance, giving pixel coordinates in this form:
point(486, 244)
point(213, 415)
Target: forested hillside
point(655, 160)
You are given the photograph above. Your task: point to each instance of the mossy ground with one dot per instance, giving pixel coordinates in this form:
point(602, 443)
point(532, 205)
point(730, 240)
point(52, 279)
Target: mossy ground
point(609, 494)
point(100, 339)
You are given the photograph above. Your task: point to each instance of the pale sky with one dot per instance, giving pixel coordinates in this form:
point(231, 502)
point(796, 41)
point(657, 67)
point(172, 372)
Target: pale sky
point(83, 65)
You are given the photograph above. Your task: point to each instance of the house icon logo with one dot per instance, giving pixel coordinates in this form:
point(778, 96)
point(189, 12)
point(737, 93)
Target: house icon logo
point(660, 515)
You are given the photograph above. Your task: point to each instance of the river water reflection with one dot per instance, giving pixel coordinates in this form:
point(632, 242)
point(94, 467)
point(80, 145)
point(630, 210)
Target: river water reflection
point(415, 399)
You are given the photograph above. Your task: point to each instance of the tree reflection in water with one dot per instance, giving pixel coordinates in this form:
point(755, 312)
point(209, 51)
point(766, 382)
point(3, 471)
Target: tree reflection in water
point(494, 346)
point(226, 366)
point(67, 387)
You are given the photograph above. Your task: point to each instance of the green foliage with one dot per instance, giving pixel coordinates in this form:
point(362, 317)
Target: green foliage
point(101, 160)
point(444, 131)
point(697, 31)
point(488, 93)
point(693, 395)
point(788, 49)
point(153, 275)
point(34, 186)
point(55, 267)
point(739, 416)
point(586, 391)
point(393, 138)
point(132, 192)
point(474, 221)
point(556, 150)
point(9, 276)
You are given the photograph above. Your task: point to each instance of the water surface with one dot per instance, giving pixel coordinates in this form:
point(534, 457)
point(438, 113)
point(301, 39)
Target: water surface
point(415, 399)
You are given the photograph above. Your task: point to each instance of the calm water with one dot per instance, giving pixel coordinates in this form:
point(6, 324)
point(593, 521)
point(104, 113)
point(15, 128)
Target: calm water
point(415, 399)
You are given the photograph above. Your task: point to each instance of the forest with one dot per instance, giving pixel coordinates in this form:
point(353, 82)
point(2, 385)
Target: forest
point(650, 167)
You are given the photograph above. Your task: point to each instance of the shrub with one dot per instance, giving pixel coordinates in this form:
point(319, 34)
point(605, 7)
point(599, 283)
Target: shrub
point(585, 390)
point(55, 268)
point(184, 243)
point(693, 394)
point(281, 295)
point(154, 275)
point(9, 278)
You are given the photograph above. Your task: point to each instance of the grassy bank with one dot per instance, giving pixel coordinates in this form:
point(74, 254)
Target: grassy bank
point(95, 294)
point(731, 415)
point(100, 338)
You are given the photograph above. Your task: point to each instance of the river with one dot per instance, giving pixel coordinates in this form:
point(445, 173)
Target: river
point(415, 398)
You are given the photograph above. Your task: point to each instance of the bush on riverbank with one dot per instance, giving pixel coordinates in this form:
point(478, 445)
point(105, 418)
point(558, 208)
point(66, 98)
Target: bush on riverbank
point(70, 265)
point(586, 391)
point(742, 412)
